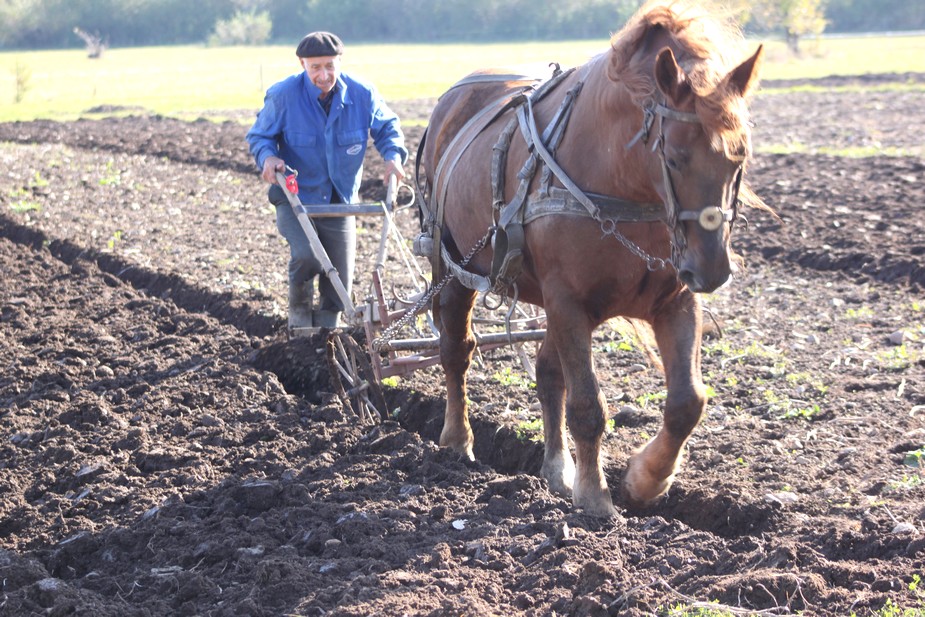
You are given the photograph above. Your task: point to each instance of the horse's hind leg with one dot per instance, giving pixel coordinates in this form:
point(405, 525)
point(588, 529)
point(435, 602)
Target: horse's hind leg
point(558, 467)
point(651, 469)
point(453, 314)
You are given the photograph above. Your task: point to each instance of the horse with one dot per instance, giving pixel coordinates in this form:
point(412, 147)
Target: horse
point(608, 190)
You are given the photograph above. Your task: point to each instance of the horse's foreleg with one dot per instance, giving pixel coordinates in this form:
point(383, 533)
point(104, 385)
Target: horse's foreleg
point(558, 467)
point(584, 405)
point(453, 314)
point(651, 469)
point(585, 411)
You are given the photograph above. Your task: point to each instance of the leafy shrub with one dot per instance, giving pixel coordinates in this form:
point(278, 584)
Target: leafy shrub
point(243, 28)
point(23, 75)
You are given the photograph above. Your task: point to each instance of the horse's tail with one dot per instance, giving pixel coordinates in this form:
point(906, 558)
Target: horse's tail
point(641, 333)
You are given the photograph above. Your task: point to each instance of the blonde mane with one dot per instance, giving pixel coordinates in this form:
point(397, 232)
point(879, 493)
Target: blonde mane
point(708, 45)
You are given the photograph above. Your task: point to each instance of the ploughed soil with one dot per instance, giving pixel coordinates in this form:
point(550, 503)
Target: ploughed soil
point(164, 450)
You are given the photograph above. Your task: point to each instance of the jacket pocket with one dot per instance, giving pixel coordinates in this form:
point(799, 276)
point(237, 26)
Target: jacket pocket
point(296, 139)
point(348, 138)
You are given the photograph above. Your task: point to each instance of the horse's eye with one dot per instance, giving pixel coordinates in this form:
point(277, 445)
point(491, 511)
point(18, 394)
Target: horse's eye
point(673, 164)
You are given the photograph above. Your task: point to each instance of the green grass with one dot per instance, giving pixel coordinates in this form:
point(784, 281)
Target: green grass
point(855, 152)
point(188, 81)
point(845, 56)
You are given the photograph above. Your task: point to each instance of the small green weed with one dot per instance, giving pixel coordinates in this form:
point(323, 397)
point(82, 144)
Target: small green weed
point(804, 413)
point(789, 408)
point(38, 180)
point(23, 206)
point(859, 313)
point(115, 239)
point(112, 175)
point(508, 377)
point(906, 483)
point(915, 458)
point(615, 346)
point(754, 353)
point(530, 430)
point(22, 203)
point(681, 610)
point(805, 379)
point(892, 610)
point(643, 400)
point(897, 358)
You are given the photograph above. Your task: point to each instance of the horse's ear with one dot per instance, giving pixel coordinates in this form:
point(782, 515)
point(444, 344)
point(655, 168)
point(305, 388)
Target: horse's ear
point(744, 78)
point(670, 77)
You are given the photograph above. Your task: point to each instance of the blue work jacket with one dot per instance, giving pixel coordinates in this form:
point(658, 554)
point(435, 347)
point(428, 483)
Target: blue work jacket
point(326, 150)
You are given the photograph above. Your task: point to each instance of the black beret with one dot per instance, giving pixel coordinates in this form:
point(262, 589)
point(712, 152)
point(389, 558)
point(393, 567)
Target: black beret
point(319, 44)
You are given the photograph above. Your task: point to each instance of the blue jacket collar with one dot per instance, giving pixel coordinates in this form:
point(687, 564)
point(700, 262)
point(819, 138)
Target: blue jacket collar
point(340, 92)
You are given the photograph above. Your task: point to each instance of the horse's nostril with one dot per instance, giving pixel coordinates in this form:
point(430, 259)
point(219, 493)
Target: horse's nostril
point(687, 277)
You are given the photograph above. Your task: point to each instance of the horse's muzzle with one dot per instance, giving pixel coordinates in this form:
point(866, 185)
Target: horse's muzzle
point(698, 284)
point(702, 278)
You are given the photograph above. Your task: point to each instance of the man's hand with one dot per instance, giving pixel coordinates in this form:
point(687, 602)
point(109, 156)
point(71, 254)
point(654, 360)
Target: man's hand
point(392, 167)
point(272, 165)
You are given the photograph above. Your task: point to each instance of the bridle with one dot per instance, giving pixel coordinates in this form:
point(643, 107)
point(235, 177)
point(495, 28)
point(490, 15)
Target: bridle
point(710, 218)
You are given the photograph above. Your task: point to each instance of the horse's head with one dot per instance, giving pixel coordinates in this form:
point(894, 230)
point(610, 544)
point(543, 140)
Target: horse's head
point(673, 60)
point(701, 147)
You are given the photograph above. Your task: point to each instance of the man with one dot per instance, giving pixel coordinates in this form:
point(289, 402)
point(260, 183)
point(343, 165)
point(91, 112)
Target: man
point(317, 122)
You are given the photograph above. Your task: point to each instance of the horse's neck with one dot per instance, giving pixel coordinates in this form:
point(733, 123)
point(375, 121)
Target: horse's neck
point(604, 122)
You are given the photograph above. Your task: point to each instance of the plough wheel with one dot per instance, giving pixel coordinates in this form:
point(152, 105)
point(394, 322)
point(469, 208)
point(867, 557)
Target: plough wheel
point(353, 379)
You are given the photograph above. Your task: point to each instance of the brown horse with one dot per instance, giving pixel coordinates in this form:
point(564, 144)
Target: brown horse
point(609, 190)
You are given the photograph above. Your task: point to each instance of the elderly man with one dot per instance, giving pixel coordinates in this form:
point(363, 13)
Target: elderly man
point(317, 122)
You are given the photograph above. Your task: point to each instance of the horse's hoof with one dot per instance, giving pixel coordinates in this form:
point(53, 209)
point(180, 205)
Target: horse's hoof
point(559, 487)
point(639, 494)
point(560, 475)
point(594, 501)
point(463, 447)
point(632, 503)
point(600, 508)
point(465, 452)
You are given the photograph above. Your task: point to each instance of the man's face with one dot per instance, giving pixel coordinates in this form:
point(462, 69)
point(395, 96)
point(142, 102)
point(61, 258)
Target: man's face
point(322, 70)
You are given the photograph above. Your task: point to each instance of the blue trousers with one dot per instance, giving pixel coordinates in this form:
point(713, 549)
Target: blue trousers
point(338, 237)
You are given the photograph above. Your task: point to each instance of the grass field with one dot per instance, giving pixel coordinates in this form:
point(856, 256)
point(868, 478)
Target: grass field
point(190, 80)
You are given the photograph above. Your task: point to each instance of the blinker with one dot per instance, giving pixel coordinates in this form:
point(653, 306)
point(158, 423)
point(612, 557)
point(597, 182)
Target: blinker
point(711, 218)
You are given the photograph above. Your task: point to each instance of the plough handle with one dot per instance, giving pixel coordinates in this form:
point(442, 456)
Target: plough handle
point(391, 194)
point(309, 228)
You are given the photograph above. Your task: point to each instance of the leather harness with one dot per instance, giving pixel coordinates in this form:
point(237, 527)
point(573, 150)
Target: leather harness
point(506, 234)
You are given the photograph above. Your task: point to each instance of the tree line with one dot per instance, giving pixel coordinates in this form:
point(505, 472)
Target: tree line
point(50, 24)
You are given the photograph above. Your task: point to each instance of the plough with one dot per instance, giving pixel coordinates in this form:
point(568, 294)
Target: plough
point(399, 334)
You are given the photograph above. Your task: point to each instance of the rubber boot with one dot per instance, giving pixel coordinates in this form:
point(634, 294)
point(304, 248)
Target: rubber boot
point(300, 305)
point(325, 319)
